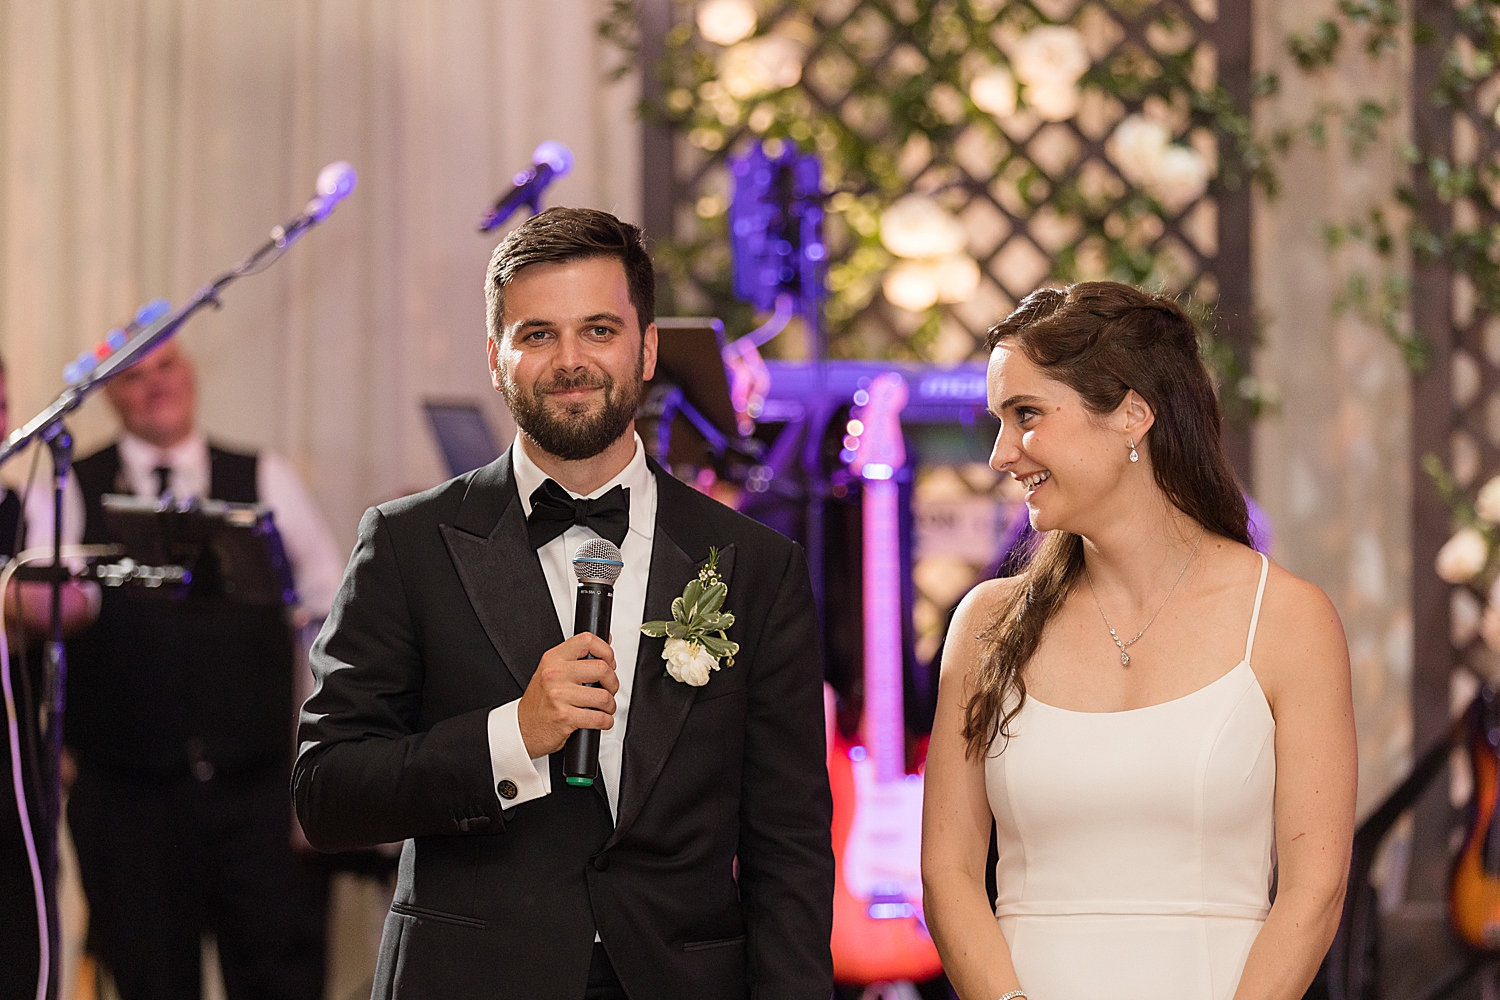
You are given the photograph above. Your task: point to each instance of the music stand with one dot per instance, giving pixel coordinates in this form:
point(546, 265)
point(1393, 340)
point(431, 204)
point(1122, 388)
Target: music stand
point(690, 354)
point(227, 551)
point(463, 435)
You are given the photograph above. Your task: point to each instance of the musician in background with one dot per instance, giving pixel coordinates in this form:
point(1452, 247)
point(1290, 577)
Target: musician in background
point(179, 719)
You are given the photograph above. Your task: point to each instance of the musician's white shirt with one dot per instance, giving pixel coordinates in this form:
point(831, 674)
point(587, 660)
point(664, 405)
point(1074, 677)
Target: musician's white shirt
point(508, 758)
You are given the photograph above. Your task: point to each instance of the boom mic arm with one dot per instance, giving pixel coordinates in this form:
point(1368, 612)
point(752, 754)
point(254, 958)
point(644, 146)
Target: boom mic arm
point(549, 162)
point(335, 182)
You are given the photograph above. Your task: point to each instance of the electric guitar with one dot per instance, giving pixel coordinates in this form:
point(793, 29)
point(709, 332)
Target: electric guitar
point(1474, 888)
point(879, 934)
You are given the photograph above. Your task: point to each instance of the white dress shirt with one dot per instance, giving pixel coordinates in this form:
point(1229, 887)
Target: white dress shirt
point(508, 757)
point(317, 566)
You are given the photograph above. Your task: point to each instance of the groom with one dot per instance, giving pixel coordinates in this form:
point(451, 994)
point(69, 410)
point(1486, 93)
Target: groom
point(699, 863)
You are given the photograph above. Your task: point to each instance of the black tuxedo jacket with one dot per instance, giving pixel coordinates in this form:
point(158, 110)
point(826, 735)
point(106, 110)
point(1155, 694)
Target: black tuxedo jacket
point(717, 880)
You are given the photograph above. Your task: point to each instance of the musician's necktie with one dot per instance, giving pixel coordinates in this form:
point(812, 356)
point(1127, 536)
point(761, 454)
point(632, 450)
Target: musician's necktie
point(554, 511)
point(163, 476)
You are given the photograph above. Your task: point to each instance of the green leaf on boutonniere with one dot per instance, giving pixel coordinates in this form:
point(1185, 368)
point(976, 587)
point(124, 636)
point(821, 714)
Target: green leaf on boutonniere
point(677, 630)
point(720, 647)
point(715, 622)
point(692, 597)
point(713, 598)
point(656, 630)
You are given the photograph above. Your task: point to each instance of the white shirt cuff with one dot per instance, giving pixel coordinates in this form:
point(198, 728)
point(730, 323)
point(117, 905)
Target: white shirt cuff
point(518, 778)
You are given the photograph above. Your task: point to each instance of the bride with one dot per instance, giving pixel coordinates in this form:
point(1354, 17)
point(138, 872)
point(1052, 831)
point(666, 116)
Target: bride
point(1158, 720)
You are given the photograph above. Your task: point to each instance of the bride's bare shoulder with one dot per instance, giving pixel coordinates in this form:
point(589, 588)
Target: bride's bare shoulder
point(1299, 640)
point(975, 614)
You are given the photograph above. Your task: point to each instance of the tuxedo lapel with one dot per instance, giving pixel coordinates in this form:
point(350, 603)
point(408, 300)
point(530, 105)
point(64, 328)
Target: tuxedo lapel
point(500, 571)
point(658, 704)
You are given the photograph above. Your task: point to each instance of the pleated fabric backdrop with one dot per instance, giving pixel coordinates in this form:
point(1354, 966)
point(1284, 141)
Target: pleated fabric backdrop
point(146, 145)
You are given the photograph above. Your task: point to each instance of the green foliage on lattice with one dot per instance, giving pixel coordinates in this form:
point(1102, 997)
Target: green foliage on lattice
point(1445, 215)
point(1466, 181)
point(883, 96)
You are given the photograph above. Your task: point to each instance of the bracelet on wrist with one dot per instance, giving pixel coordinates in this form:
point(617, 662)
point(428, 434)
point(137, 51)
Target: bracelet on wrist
point(1013, 995)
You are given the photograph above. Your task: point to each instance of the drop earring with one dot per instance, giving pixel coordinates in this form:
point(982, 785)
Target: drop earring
point(1134, 455)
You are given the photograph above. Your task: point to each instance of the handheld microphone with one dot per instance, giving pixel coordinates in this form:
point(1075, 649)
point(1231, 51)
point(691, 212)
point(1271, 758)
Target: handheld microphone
point(597, 566)
point(550, 161)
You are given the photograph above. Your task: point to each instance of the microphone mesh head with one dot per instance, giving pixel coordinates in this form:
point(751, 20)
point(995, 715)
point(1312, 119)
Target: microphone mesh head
point(336, 180)
point(597, 561)
point(555, 155)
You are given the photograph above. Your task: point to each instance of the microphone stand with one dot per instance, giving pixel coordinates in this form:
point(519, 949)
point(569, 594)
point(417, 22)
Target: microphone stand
point(49, 426)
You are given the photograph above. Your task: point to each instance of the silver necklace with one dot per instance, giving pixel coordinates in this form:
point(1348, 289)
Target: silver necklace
point(1125, 656)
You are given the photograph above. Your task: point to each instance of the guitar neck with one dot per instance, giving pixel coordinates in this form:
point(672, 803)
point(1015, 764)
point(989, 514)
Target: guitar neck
point(884, 721)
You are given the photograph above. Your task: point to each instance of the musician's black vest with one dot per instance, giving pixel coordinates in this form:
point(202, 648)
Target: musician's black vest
point(10, 516)
point(161, 690)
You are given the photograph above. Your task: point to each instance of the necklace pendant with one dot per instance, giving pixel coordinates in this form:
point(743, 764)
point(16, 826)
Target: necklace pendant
point(1124, 658)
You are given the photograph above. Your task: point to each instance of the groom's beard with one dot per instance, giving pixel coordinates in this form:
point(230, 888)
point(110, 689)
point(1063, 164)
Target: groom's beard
point(568, 430)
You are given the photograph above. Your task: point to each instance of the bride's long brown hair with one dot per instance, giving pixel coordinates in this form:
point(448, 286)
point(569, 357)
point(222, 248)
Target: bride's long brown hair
point(1102, 339)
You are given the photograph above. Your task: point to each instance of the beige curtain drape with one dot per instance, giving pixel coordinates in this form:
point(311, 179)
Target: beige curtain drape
point(147, 145)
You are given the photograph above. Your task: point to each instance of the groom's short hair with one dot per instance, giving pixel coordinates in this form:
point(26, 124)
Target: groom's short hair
point(559, 235)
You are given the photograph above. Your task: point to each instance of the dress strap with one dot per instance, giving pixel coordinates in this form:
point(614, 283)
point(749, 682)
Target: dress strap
point(1260, 591)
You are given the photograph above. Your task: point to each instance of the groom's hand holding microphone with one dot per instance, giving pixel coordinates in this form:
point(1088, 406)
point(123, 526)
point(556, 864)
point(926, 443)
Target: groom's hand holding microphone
point(560, 698)
point(571, 695)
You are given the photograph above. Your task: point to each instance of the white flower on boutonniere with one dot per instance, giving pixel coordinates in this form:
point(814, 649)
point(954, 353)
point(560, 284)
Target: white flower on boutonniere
point(696, 638)
point(689, 662)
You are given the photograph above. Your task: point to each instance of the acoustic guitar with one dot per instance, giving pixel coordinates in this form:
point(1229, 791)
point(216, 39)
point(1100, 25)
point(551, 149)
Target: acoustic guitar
point(879, 934)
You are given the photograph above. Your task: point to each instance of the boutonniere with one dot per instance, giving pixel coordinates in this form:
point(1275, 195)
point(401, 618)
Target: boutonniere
point(695, 635)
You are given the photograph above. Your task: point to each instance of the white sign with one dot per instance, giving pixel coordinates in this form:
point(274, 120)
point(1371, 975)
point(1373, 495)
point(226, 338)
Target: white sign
point(968, 529)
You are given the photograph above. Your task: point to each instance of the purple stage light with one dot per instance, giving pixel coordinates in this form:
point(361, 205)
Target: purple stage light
point(1261, 535)
point(776, 227)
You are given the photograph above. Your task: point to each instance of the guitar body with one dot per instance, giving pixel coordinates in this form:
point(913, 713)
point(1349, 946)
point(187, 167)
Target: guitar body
point(1474, 889)
point(874, 842)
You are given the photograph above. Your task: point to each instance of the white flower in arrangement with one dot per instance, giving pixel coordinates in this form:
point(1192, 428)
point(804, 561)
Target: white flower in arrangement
point(689, 662)
point(1489, 627)
point(761, 65)
point(1464, 614)
point(937, 268)
point(911, 285)
point(1487, 503)
point(1054, 102)
point(1181, 177)
point(916, 226)
point(1050, 55)
point(1175, 175)
point(916, 285)
point(725, 22)
point(1463, 556)
point(1137, 147)
point(957, 275)
point(994, 92)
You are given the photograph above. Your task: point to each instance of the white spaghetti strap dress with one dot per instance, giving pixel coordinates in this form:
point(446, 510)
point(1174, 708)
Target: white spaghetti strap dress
point(1136, 847)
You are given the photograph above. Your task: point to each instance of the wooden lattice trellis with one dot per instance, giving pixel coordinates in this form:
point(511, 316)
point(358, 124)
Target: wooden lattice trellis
point(1461, 380)
point(886, 100)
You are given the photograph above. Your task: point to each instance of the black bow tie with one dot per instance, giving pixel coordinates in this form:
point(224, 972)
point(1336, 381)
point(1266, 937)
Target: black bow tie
point(554, 511)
